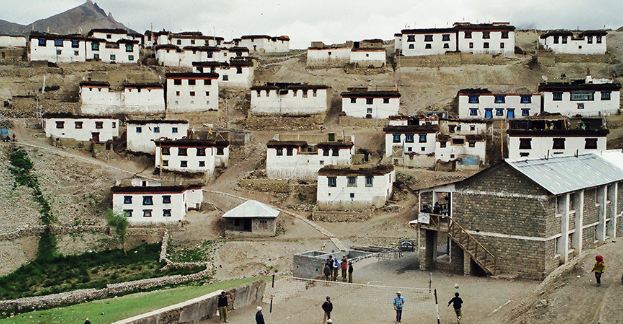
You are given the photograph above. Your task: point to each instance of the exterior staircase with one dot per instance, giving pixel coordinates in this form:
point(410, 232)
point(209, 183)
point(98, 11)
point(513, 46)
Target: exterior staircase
point(483, 257)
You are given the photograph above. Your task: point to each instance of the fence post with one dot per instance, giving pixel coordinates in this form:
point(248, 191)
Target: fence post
point(430, 282)
point(437, 307)
point(273, 285)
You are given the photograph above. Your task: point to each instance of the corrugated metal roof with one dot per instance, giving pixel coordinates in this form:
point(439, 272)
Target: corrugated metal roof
point(252, 208)
point(569, 173)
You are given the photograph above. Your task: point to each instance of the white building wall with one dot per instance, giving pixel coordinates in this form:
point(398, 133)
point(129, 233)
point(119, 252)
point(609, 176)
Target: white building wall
point(397, 43)
point(177, 206)
point(114, 37)
point(328, 56)
point(12, 41)
point(265, 45)
point(60, 54)
point(488, 101)
point(301, 165)
point(119, 55)
point(141, 140)
point(416, 147)
point(102, 101)
point(542, 147)
point(368, 58)
point(179, 97)
point(416, 45)
point(144, 100)
point(377, 109)
point(174, 160)
point(109, 129)
point(478, 43)
point(462, 127)
point(339, 197)
point(231, 77)
point(292, 103)
point(575, 46)
point(454, 151)
point(590, 108)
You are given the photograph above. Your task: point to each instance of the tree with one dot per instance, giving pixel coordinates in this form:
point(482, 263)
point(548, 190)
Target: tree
point(119, 223)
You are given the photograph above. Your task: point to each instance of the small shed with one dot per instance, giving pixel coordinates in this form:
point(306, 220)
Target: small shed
point(251, 218)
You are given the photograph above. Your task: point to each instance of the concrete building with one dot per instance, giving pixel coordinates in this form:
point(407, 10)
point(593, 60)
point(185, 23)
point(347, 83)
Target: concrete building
point(485, 104)
point(521, 218)
point(12, 41)
point(368, 57)
point(99, 98)
point(175, 56)
point(411, 144)
point(122, 51)
point(191, 155)
point(426, 41)
point(251, 218)
point(364, 103)
point(146, 202)
point(320, 55)
point(587, 97)
point(112, 35)
point(142, 133)
point(80, 128)
point(238, 73)
point(293, 157)
point(192, 92)
point(589, 42)
point(553, 135)
point(265, 43)
point(184, 39)
point(290, 99)
point(354, 187)
point(56, 48)
point(462, 142)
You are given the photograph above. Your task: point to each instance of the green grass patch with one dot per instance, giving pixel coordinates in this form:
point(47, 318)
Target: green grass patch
point(89, 270)
point(114, 309)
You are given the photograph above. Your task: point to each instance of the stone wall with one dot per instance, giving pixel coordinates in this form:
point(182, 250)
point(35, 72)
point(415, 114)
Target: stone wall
point(454, 59)
point(289, 123)
point(369, 123)
point(202, 308)
point(336, 216)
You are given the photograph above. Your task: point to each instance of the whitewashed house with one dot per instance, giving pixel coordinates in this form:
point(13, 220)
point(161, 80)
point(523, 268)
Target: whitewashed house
point(142, 133)
point(426, 41)
point(368, 57)
point(580, 42)
point(184, 39)
point(122, 51)
point(463, 141)
point(192, 92)
point(238, 73)
point(301, 159)
point(191, 155)
point(265, 43)
point(290, 99)
point(319, 55)
point(397, 43)
point(12, 41)
point(174, 56)
point(80, 128)
point(550, 136)
point(354, 187)
point(485, 104)
point(364, 103)
point(111, 35)
point(56, 48)
point(587, 97)
point(146, 202)
point(411, 145)
point(99, 98)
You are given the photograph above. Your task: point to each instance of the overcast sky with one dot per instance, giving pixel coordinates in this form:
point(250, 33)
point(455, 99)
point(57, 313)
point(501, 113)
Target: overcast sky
point(330, 20)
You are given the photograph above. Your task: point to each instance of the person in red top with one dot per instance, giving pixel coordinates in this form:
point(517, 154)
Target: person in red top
point(344, 266)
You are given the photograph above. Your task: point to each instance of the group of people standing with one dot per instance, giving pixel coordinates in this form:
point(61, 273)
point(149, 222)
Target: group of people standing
point(332, 266)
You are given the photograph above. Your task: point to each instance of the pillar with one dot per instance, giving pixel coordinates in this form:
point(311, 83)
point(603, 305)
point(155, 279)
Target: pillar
point(564, 229)
point(467, 264)
point(601, 227)
point(579, 222)
point(612, 193)
point(427, 250)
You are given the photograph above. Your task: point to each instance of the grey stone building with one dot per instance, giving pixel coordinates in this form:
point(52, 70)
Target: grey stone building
point(251, 218)
point(523, 217)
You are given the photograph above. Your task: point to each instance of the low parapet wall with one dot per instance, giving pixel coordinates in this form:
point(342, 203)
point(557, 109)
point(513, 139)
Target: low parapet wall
point(201, 308)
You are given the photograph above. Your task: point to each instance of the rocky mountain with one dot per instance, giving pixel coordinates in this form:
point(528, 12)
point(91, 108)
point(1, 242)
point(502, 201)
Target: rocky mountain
point(80, 19)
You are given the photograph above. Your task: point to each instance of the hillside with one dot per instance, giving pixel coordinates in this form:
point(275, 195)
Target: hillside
point(80, 19)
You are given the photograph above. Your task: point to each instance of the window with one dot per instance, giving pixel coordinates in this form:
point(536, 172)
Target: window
point(368, 110)
point(486, 35)
point(472, 127)
point(166, 213)
point(42, 41)
point(183, 164)
point(385, 100)
point(557, 96)
point(58, 42)
point(525, 112)
point(98, 125)
point(325, 152)
point(177, 93)
point(445, 37)
point(174, 130)
point(472, 144)
point(499, 111)
point(58, 52)
point(473, 99)
point(156, 129)
point(428, 46)
point(96, 57)
point(336, 152)
point(179, 42)
point(114, 57)
point(139, 129)
point(352, 181)
point(485, 45)
point(442, 144)
point(598, 39)
point(280, 151)
point(524, 154)
point(202, 164)
point(471, 45)
point(177, 81)
point(352, 195)
point(129, 48)
point(500, 99)
point(289, 151)
point(95, 46)
point(238, 70)
point(146, 212)
point(591, 144)
point(526, 99)
point(182, 151)
point(114, 124)
point(207, 82)
point(582, 95)
point(605, 95)
point(559, 144)
point(504, 35)
point(428, 38)
point(192, 93)
point(446, 45)
point(369, 181)
point(468, 34)
point(165, 163)
point(564, 39)
point(411, 46)
point(525, 143)
point(166, 199)
point(127, 212)
point(369, 101)
point(473, 111)
point(225, 77)
point(130, 57)
point(501, 45)
point(148, 200)
point(192, 42)
point(589, 39)
point(207, 93)
point(353, 100)
point(201, 151)
point(166, 151)
point(127, 200)
point(410, 38)
point(192, 82)
point(422, 138)
point(60, 124)
point(332, 181)
point(409, 138)
point(78, 125)
point(396, 138)
point(556, 39)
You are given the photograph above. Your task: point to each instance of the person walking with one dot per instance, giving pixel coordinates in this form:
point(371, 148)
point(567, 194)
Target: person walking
point(599, 268)
point(344, 267)
point(399, 302)
point(259, 317)
point(222, 304)
point(327, 271)
point(336, 268)
point(350, 271)
point(327, 307)
point(457, 303)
